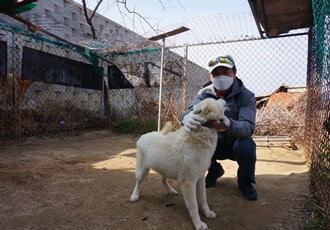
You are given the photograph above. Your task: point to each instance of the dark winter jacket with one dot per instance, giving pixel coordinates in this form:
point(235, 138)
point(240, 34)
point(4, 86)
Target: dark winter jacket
point(241, 112)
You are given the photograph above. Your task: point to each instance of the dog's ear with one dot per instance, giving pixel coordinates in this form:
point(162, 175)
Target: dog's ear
point(206, 109)
point(222, 102)
point(196, 109)
point(223, 105)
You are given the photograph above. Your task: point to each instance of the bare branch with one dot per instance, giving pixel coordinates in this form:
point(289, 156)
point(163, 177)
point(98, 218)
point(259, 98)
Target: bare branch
point(96, 8)
point(128, 10)
point(89, 19)
point(181, 4)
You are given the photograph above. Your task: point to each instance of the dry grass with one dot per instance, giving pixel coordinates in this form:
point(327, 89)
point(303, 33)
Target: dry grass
point(171, 111)
point(49, 118)
point(276, 120)
point(143, 115)
point(53, 117)
point(146, 108)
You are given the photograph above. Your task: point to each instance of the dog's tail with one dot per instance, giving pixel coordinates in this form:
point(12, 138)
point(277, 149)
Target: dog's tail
point(168, 127)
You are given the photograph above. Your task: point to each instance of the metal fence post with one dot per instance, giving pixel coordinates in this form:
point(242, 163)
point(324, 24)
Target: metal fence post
point(102, 93)
point(161, 85)
point(184, 90)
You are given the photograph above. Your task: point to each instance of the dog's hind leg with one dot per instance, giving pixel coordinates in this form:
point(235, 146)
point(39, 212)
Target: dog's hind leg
point(201, 197)
point(188, 189)
point(168, 187)
point(141, 172)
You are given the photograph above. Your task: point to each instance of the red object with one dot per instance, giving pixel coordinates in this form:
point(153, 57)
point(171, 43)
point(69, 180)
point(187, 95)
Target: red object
point(215, 125)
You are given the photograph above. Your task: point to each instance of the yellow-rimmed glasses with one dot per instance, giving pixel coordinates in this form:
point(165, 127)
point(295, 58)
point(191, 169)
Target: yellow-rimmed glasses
point(217, 60)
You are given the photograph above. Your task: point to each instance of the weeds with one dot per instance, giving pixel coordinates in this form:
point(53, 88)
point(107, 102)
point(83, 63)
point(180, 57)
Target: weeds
point(133, 126)
point(314, 220)
point(144, 114)
point(50, 118)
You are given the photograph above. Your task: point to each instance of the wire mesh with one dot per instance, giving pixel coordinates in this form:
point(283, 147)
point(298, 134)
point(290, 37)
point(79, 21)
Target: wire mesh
point(263, 65)
point(35, 107)
point(318, 116)
point(274, 69)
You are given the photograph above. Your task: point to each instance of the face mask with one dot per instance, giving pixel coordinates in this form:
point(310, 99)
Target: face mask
point(222, 82)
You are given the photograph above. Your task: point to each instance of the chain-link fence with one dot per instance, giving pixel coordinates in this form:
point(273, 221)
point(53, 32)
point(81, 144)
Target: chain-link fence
point(47, 86)
point(274, 69)
point(38, 95)
point(40, 102)
point(317, 137)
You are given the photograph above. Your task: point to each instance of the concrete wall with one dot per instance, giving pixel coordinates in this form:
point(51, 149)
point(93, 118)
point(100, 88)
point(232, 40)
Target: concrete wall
point(66, 19)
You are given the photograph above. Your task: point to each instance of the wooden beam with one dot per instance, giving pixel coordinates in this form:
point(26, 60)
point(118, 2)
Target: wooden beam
point(168, 34)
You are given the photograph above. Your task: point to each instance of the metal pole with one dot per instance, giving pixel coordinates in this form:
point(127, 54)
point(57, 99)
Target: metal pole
point(102, 93)
point(161, 85)
point(184, 91)
point(15, 76)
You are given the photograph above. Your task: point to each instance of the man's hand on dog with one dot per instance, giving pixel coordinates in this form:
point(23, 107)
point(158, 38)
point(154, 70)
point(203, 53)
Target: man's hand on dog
point(192, 120)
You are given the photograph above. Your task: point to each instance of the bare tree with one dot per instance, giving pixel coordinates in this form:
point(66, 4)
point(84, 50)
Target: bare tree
point(89, 18)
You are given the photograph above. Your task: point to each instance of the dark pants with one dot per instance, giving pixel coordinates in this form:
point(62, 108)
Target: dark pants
point(244, 152)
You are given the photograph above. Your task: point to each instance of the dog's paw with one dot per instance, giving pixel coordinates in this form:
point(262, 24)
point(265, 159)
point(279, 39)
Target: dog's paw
point(201, 226)
point(209, 214)
point(134, 198)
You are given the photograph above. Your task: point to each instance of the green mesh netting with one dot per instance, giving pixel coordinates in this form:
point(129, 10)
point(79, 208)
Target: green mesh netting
point(87, 53)
point(317, 138)
point(321, 18)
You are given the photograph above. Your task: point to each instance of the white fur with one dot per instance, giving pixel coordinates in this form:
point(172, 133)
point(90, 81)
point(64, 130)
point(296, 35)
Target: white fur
point(182, 156)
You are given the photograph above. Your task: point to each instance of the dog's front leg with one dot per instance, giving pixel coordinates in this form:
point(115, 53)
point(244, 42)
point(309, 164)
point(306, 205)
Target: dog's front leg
point(188, 189)
point(202, 200)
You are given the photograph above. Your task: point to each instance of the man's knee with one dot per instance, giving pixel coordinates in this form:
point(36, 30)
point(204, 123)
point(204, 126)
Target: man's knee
point(245, 146)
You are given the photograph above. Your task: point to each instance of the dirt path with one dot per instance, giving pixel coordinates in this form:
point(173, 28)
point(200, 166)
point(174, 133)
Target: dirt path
point(84, 182)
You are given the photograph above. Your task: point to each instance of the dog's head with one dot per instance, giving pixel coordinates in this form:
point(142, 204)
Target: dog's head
point(211, 109)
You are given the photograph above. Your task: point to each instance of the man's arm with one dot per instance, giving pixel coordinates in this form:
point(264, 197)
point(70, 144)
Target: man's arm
point(244, 126)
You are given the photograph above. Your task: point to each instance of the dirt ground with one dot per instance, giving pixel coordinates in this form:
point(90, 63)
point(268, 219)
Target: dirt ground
point(84, 181)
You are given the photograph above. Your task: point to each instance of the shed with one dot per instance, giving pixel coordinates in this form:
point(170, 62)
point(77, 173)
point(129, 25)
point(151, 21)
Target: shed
point(276, 17)
point(285, 96)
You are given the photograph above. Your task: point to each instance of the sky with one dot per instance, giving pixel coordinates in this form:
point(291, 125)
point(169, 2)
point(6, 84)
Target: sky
point(161, 13)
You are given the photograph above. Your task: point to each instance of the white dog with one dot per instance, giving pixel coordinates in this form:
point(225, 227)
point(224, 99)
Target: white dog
point(183, 156)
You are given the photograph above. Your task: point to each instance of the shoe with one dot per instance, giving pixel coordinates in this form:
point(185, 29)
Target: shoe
point(248, 191)
point(212, 176)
